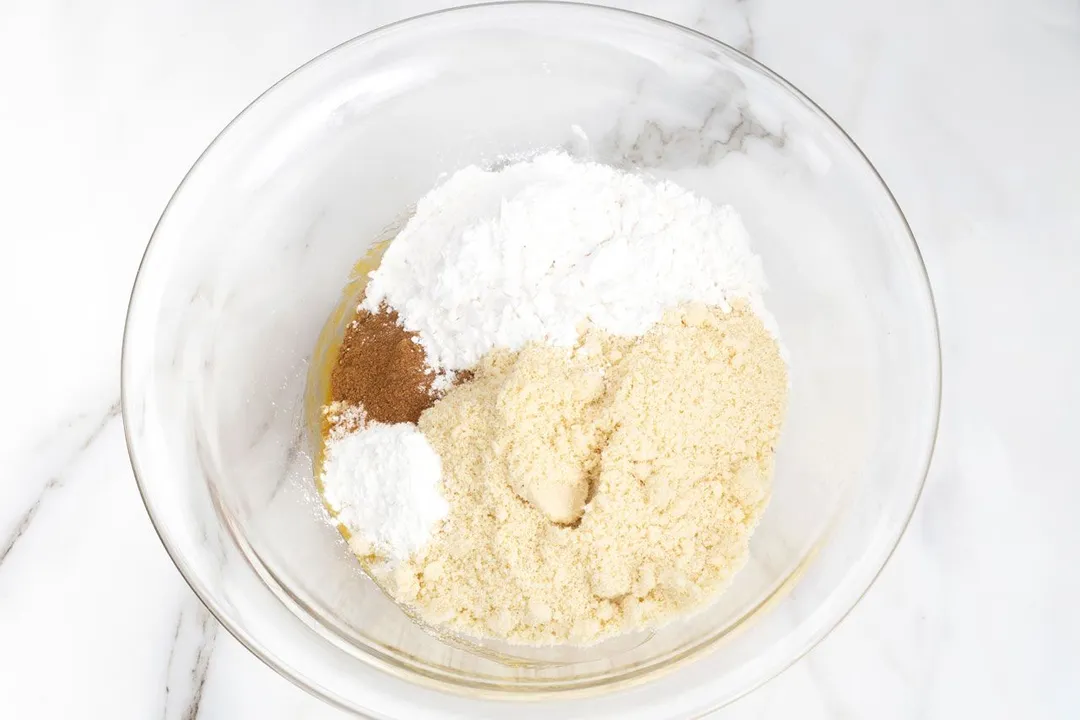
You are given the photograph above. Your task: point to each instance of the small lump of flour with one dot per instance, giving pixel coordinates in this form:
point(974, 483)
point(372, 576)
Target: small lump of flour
point(383, 483)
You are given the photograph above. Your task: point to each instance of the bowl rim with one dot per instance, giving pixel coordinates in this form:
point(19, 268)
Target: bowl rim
point(256, 648)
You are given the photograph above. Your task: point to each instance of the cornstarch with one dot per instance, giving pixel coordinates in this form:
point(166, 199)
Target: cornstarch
point(383, 484)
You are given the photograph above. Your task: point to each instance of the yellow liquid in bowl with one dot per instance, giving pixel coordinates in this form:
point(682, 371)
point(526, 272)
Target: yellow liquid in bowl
point(324, 357)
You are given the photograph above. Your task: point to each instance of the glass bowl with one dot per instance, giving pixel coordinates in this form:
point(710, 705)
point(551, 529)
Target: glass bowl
point(250, 258)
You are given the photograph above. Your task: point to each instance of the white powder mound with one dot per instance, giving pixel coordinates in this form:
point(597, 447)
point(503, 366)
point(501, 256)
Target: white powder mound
point(527, 253)
point(384, 483)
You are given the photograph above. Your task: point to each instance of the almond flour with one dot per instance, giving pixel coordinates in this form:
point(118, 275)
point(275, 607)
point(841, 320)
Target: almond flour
point(603, 488)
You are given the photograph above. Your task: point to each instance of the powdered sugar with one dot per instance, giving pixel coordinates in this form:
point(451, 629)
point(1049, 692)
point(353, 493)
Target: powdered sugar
point(530, 252)
point(384, 484)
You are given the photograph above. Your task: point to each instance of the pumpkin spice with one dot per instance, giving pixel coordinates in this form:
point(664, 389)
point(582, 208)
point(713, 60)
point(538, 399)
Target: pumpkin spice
point(381, 368)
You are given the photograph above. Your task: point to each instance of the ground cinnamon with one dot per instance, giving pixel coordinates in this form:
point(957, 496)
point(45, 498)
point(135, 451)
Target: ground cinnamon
point(382, 368)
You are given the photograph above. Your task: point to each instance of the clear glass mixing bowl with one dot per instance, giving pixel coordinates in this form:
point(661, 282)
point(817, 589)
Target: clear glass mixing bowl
point(254, 248)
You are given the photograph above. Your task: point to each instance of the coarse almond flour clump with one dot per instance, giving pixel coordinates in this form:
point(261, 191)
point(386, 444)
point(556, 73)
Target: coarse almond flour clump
point(668, 436)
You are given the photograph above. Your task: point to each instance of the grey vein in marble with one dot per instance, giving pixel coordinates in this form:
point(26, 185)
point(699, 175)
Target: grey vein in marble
point(56, 481)
point(648, 134)
point(189, 661)
point(718, 19)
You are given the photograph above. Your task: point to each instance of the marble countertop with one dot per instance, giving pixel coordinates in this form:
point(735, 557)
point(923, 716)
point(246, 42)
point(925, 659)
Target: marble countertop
point(969, 110)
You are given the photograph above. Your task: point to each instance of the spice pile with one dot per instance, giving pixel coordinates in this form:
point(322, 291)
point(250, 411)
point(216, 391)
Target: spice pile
point(381, 368)
point(554, 415)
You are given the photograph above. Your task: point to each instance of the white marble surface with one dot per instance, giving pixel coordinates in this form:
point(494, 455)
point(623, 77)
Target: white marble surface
point(969, 110)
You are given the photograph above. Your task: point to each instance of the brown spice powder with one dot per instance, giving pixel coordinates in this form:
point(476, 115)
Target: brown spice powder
point(381, 368)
